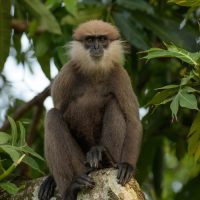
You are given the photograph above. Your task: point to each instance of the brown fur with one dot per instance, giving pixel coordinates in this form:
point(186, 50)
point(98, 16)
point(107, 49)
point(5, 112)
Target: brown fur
point(90, 109)
point(96, 27)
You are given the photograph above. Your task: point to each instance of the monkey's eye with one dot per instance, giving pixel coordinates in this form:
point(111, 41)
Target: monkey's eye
point(89, 40)
point(102, 39)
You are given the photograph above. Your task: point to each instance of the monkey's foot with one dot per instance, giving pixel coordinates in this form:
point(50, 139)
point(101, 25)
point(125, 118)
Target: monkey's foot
point(94, 156)
point(81, 182)
point(47, 188)
point(125, 173)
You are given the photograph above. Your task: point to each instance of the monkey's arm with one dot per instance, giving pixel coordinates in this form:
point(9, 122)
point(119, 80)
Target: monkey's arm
point(128, 104)
point(61, 87)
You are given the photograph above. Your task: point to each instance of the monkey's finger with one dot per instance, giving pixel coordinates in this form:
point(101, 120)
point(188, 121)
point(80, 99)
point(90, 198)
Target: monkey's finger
point(79, 186)
point(89, 158)
point(92, 159)
point(96, 162)
point(119, 171)
point(47, 188)
point(128, 175)
point(85, 177)
point(100, 151)
point(41, 194)
point(121, 179)
point(96, 158)
point(85, 182)
point(123, 174)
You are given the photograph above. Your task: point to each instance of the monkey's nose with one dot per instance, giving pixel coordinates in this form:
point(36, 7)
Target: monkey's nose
point(96, 45)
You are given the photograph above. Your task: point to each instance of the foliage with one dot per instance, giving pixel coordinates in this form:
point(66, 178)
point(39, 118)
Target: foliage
point(170, 151)
point(190, 3)
point(15, 146)
point(183, 94)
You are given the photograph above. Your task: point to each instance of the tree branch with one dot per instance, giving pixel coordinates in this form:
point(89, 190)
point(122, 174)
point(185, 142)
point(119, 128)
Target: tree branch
point(21, 26)
point(106, 187)
point(34, 124)
point(37, 100)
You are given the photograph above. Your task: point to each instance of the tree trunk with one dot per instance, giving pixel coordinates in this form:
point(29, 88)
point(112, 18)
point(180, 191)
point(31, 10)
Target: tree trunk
point(106, 188)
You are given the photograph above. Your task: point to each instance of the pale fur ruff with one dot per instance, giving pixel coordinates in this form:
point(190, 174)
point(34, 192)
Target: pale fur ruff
point(114, 54)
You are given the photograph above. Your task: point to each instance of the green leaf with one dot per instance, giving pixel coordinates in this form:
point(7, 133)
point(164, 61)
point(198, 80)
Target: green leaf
point(27, 149)
point(173, 52)
point(136, 5)
point(32, 163)
point(163, 97)
point(185, 80)
point(52, 4)
point(22, 139)
point(4, 138)
point(188, 100)
point(190, 3)
point(9, 187)
point(48, 20)
point(167, 87)
point(14, 130)
point(5, 31)
point(71, 6)
point(11, 151)
point(42, 48)
point(175, 105)
point(188, 89)
point(194, 138)
point(42, 45)
point(131, 32)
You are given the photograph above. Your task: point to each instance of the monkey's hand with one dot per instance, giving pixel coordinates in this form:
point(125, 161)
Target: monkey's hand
point(80, 182)
point(125, 173)
point(94, 156)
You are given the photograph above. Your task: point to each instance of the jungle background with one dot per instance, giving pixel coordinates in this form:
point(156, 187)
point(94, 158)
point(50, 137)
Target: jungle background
point(163, 63)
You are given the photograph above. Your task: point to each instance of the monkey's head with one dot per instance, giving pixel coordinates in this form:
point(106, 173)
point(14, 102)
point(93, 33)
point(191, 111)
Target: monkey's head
point(96, 46)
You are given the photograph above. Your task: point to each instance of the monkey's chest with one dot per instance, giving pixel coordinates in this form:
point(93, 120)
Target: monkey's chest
point(84, 117)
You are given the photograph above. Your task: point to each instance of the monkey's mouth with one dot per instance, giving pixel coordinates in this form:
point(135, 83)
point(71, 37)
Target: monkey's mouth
point(97, 57)
point(96, 54)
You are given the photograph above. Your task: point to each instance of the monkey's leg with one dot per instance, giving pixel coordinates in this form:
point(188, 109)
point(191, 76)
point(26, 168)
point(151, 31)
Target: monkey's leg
point(113, 135)
point(64, 156)
point(113, 130)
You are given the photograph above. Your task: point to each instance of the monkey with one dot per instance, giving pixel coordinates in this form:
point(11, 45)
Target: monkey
point(95, 114)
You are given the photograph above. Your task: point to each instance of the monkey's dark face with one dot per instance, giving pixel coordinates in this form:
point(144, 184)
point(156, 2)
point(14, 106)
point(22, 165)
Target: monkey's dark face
point(96, 45)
